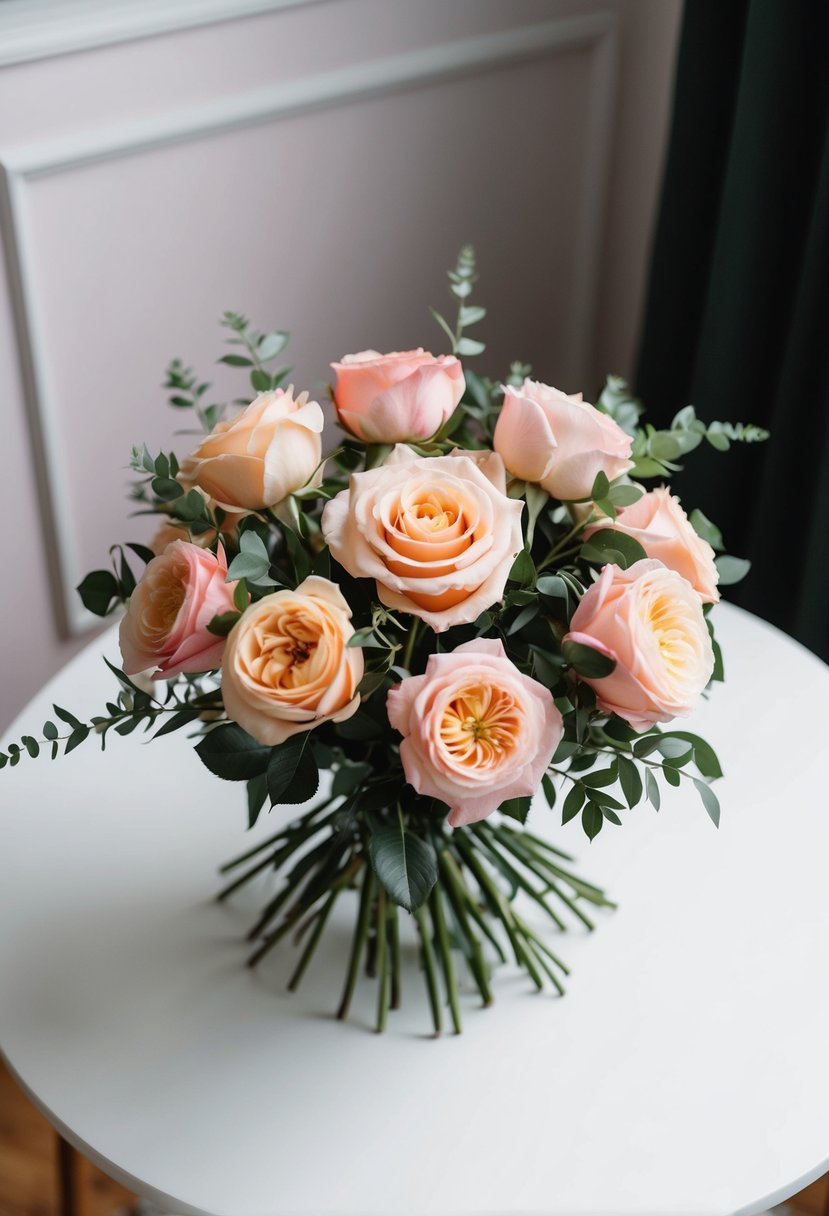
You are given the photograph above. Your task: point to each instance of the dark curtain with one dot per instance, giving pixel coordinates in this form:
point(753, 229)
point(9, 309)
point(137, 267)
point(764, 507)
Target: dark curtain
point(737, 314)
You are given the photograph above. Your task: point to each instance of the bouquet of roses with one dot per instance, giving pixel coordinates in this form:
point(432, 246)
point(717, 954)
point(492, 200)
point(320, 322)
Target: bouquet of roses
point(469, 600)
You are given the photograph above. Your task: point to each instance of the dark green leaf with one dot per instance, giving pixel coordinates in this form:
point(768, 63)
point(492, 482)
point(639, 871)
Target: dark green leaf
point(586, 661)
point(549, 790)
point(98, 591)
point(231, 753)
point(166, 488)
point(516, 808)
point(608, 546)
point(705, 757)
point(630, 781)
point(182, 718)
point(523, 569)
point(293, 775)
point(222, 624)
point(592, 820)
point(573, 803)
point(236, 360)
point(260, 381)
point(601, 486)
point(257, 797)
point(406, 865)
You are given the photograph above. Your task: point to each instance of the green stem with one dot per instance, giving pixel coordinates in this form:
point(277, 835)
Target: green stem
point(382, 961)
point(395, 956)
point(313, 941)
point(527, 861)
point(457, 899)
point(430, 969)
point(555, 551)
point(359, 942)
point(445, 952)
point(408, 651)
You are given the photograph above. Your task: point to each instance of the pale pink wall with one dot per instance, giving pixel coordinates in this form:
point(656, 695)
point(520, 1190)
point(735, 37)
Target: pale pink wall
point(336, 224)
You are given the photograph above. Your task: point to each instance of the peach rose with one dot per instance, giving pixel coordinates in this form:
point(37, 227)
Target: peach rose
point(287, 667)
point(649, 619)
point(258, 458)
point(165, 626)
point(405, 395)
point(476, 732)
point(559, 441)
point(435, 533)
point(664, 531)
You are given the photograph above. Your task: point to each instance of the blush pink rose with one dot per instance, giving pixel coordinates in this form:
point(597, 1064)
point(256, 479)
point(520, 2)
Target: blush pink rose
point(436, 534)
point(476, 732)
point(258, 458)
point(165, 626)
point(664, 531)
point(648, 619)
point(405, 395)
point(559, 441)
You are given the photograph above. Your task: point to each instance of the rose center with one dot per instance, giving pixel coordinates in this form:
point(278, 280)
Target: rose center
point(481, 726)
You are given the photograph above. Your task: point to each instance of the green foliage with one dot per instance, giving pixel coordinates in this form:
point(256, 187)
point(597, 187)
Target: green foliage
point(405, 864)
point(461, 281)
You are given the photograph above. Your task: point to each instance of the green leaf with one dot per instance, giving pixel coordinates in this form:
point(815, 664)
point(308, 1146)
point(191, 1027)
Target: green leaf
point(75, 739)
point(731, 569)
point(516, 808)
point(471, 314)
point(671, 775)
point(674, 749)
point(549, 790)
point(236, 360)
point(469, 347)
point(166, 488)
point(293, 775)
point(573, 803)
point(67, 717)
point(182, 718)
point(624, 495)
point(654, 797)
point(240, 595)
point(272, 345)
point(601, 486)
point(706, 529)
point(609, 546)
point(257, 797)
point(590, 663)
point(600, 778)
point(260, 381)
point(630, 781)
point(644, 747)
point(709, 800)
point(31, 745)
point(222, 624)
point(705, 757)
point(349, 776)
point(592, 820)
point(98, 591)
point(232, 754)
point(523, 569)
point(50, 731)
point(406, 865)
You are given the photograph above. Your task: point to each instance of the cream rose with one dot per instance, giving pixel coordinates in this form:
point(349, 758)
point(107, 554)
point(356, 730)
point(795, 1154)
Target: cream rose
point(559, 441)
point(287, 667)
point(436, 534)
point(258, 458)
point(405, 395)
point(648, 619)
point(476, 732)
point(165, 626)
point(664, 531)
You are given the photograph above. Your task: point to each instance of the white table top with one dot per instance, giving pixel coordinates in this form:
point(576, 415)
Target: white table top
point(685, 1071)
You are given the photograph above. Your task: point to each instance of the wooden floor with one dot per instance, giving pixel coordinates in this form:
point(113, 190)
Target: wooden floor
point(29, 1171)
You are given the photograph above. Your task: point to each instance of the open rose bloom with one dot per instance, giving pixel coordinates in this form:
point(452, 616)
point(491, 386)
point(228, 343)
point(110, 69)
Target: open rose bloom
point(462, 611)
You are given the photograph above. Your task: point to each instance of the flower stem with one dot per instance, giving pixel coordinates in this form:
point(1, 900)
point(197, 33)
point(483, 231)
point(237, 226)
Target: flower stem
point(313, 941)
point(430, 970)
point(359, 942)
point(445, 952)
point(408, 651)
point(382, 961)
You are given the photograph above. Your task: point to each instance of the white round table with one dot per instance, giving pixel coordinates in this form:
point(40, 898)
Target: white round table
point(685, 1071)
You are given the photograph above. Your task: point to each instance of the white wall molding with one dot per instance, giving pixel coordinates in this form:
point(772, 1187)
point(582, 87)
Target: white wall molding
point(40, 29)
point(400, 73)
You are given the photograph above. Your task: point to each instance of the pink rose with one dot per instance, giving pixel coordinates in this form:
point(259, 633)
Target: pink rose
point(664, 531)
point(648, 619)
point(165, 626)
point(561, 442)
point(476, 732)
point(405, 395)
point(288, 666)
point(258, 458)
point(435, 533)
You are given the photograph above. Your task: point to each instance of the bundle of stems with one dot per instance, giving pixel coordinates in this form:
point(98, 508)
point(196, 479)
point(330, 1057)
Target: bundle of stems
point(471, 913)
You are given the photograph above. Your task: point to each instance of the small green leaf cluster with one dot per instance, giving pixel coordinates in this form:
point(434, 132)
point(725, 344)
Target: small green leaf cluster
point(260, 350)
